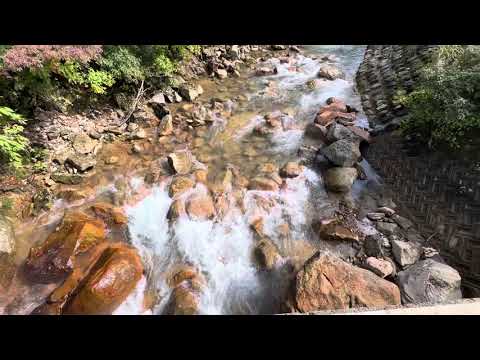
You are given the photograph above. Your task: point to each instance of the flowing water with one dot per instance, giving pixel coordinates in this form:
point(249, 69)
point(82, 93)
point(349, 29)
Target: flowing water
point(221, 249)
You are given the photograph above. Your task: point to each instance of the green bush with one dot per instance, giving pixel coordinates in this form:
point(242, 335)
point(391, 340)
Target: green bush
point(445, 108)
point(13, 144)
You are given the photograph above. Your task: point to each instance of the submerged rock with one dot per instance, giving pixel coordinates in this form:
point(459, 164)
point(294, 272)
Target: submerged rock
point(330, 72)
point(109, 213)
point(327, 283)
point(429, 281)
point(262, 183)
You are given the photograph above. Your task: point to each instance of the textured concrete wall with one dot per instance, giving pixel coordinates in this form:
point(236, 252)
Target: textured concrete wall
point(441, 192)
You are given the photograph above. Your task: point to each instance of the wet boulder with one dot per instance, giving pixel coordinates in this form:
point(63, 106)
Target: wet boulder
point(429, 281)
point(114, 276)
point(266, 254)
point(55, 258)
point(342, 152)
point(264, 71)
point(187, 284)
point(328, 283)
point(387, 228)
point(340, 179)
point(200, 207)
point(110, 214)
point(179, 185)
point(330, 72)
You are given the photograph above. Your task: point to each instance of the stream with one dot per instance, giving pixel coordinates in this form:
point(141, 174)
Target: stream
point(221, 249)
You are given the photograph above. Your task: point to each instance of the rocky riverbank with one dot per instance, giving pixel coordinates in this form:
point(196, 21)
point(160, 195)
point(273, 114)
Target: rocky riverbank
point(194, 206)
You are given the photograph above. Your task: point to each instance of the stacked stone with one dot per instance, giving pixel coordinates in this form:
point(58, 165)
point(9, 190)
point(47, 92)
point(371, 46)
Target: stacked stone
point(385, 70)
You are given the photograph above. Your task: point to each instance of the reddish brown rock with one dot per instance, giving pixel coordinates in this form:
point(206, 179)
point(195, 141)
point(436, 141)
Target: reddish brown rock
point(332, 230)
point(261, 183)
point(109, 283)
point(328, 283)
point(362, 134)
point(180, 185)
point(200, 207)
point(72, 195)
point(109, 213)
point(187, 285)
point(54, 259)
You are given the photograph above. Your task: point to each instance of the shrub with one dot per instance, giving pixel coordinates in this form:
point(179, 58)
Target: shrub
point(12, 143)
point(444, 108)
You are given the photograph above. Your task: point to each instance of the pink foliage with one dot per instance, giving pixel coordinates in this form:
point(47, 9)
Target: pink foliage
point(21, 57)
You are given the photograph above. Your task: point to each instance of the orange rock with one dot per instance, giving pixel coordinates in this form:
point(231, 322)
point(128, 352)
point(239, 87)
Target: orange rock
point(111, 280)
point(327, 283)
point(54, 259)
point(201, 176)
point(110, 213)
point(72, 195)
point(261, 183)
point(200, 207)
point(333, 231)
point(257, 226)
point(187, 285)
point(179, 185)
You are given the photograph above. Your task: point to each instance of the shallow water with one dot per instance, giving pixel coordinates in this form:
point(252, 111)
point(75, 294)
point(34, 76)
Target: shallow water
point(221, 249)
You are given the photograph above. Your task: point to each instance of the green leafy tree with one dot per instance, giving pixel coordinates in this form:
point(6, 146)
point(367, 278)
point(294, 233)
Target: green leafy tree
point(12, 142)
point(445, 108)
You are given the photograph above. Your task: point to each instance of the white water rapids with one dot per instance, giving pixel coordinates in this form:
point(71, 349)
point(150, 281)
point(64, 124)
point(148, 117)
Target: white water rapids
point(222, 250)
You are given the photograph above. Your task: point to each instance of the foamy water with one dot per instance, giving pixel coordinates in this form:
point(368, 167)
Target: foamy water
point(221, 249)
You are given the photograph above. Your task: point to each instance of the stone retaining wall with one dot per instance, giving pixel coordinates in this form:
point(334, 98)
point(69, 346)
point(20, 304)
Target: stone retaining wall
point(441, 192)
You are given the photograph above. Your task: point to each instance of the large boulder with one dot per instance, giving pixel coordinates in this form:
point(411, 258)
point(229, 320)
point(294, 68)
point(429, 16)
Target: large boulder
point(342, 152)
point(55, 258)
point(406, 253)
point(337, 132)
point(340, 179)
point(327, 283)
point(110, 214)
point(81, 162)
point(189, 92)
point(429, 281)
point(112, 279)
point(7, 236)
point(330, 72)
